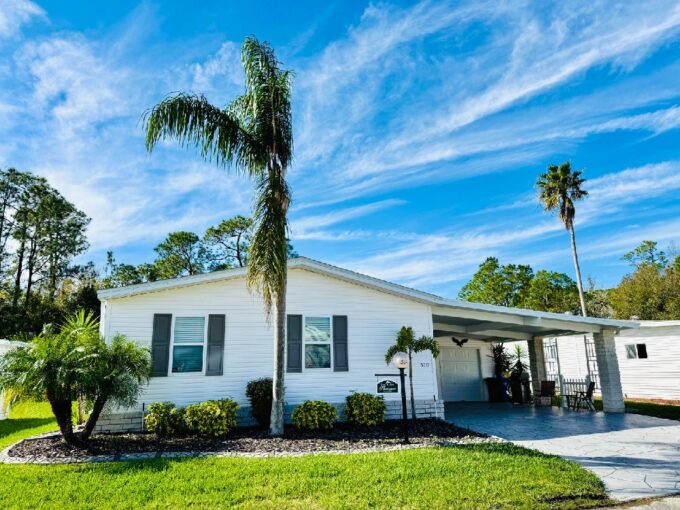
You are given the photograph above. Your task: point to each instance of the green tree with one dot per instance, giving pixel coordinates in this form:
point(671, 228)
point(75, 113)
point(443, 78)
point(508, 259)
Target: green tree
point(254, 135)
point(179, 254)
point(229, 242)
point(407, 342)
point(598, 301)
point(550, 291)
point(120, 275)
point(558, 189)
point(649, 293)
point(646, 254)
point(496, 284)
point(12, 185)
point(115, 377)
point(49, 369)
point(61, 367)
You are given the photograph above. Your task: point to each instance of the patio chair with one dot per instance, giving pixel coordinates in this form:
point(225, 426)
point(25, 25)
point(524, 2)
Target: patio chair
point(584, 397)
point(547, 393)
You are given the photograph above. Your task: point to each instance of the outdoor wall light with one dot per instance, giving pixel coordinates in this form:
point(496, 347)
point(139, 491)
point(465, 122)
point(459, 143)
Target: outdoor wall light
point(400, 360)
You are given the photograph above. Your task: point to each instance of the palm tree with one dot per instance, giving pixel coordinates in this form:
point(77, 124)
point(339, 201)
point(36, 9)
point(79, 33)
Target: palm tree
point(114, 376)
point(253, 135)
point(558, 189)
point(76, 363)
point(407, 342)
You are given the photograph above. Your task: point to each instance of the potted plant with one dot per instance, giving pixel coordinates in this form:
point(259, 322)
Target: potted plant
point(498, 385)
point(519, 376)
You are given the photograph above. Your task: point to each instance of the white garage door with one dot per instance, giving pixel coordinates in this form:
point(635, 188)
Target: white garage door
point(460, 374)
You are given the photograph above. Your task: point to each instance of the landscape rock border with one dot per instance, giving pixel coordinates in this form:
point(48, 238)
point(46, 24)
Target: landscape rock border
point(48, 449)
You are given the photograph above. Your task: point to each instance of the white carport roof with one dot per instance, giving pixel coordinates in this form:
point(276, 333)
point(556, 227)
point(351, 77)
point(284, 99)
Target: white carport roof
point(449, 316)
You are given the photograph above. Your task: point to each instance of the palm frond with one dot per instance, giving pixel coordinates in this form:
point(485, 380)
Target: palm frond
point(426, 343)
point(394, 349)
point(559, 188)
point(193, 121)
point(268, 260)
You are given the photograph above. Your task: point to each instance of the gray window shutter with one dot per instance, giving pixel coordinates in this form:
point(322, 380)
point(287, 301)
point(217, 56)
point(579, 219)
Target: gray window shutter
point(294, 344)
point(340, 357)
point(160, 344)
point(215, 358)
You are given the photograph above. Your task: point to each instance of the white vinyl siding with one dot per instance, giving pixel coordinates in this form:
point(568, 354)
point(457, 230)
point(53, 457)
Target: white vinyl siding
point(374, 319)
point(653, 376)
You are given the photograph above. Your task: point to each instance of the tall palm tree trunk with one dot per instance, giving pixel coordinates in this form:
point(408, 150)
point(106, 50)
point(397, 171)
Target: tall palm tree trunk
point(577, 267)
point(276, 422)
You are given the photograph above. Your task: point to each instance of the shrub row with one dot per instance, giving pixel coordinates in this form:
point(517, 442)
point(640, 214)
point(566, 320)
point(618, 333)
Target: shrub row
point(361, 409)
point(213, 418)
point(216, 418)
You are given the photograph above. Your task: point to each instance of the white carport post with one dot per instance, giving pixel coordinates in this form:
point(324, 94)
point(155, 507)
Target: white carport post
point(536, 363)
point(608, 367)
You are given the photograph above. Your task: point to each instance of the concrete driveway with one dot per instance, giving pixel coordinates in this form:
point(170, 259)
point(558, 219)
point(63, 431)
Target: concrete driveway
point(636, 456)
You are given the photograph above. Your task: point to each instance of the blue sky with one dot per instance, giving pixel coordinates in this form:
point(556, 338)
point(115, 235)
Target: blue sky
point(420, 128)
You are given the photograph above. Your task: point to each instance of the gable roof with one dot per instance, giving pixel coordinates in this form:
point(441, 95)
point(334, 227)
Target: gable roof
point(355, 278)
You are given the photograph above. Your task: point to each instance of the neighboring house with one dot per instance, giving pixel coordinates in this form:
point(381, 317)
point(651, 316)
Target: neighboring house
point(649, 359)
point(209, 337)
point(7, 345)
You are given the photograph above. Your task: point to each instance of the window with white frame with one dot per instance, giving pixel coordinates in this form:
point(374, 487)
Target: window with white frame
point(635, 351)
point(188, 344)
point(318, 342)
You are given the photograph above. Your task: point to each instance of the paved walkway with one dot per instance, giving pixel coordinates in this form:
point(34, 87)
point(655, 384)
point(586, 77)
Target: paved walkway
point(636, 456)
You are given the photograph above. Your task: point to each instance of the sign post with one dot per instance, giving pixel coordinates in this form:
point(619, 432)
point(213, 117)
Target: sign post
point(400, 360)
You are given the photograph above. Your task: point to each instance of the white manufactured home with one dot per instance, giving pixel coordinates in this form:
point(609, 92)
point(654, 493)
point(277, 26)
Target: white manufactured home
point(209, 337)
point(649, 359)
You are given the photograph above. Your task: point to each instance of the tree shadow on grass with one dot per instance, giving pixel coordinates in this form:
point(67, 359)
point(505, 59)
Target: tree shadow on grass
point(12, 426)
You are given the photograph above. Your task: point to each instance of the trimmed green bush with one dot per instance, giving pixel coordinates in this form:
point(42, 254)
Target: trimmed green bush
point(259, 392)
point(165, 420)
point(365, 409)
point(315, 415)
point(214, 418)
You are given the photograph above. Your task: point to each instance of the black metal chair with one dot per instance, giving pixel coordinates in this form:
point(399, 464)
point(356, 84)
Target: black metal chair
point(584, 397)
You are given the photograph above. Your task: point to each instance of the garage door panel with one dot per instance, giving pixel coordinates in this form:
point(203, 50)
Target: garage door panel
point(460, 374)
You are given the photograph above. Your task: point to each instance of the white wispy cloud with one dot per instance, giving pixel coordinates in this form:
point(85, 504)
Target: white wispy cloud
point(432, 93)
point(448, 256)
point(16, 13)
point(527, 53)
point(300, 226)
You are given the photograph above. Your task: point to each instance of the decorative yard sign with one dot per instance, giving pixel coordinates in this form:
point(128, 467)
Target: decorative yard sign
point(387, 386)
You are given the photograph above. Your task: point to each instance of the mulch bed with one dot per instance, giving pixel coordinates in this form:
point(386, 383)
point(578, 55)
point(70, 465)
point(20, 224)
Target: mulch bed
point(245, 441)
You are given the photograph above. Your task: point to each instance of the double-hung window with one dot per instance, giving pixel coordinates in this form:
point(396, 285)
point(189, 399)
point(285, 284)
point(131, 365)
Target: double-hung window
point(318, 342)
point(188, 344)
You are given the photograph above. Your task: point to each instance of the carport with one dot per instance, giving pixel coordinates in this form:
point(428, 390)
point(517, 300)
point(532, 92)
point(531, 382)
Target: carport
point(489, 323)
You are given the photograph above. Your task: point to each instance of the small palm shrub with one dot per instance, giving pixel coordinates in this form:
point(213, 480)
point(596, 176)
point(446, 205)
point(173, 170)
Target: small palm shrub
point(259, 392)
point(165, 420)
point(214, 418)
point(76, 364)
point(365, 409)
point(314, 415)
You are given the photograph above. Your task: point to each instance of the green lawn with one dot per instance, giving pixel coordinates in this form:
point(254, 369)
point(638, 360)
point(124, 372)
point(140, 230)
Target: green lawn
point(474, 477)
point(27, 419)
point(668, 411)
